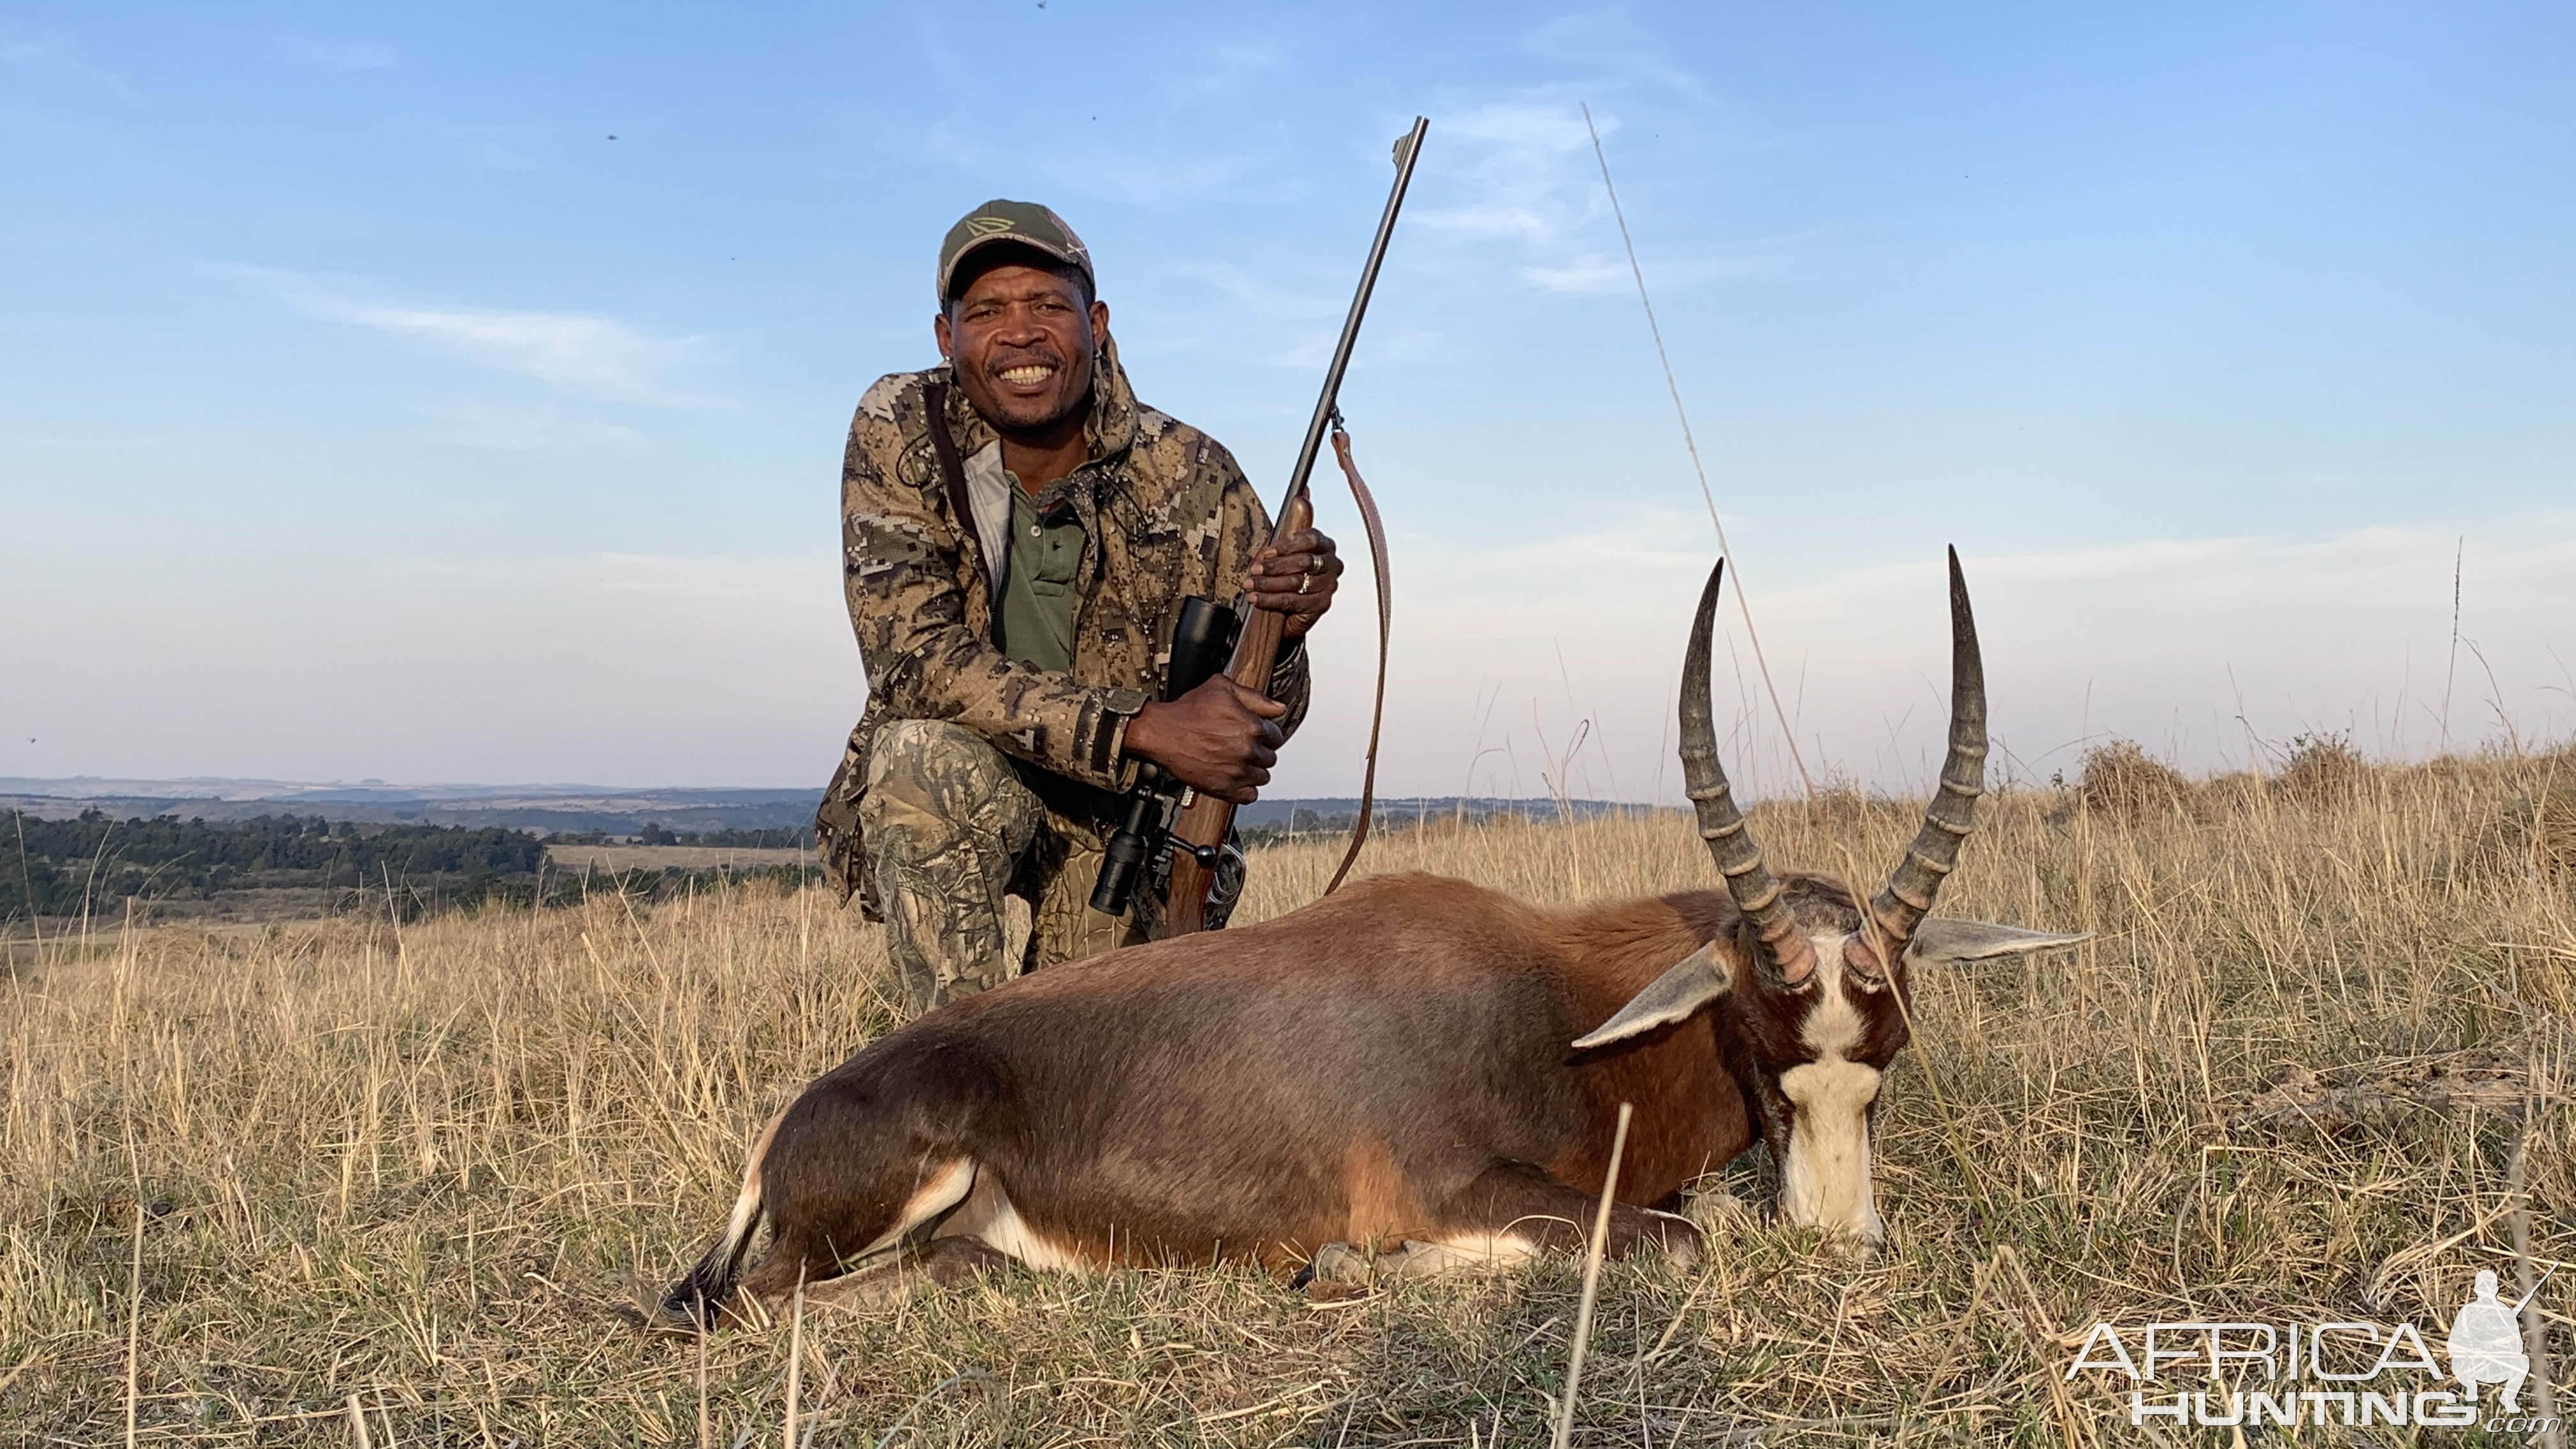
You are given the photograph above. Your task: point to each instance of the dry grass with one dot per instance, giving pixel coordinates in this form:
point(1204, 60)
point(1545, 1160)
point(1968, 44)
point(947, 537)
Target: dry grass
point(433, 1169)
point(573, 859)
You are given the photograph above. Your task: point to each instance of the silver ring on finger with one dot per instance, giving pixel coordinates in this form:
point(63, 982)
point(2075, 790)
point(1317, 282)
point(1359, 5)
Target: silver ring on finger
point(1314, 563)
point(1302, 583)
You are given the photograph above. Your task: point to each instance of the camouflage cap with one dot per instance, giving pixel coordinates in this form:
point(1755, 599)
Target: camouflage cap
point(1022, 222)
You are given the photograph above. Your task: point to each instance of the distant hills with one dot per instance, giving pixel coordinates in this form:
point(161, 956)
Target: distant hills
point(548, 809)
point(569, 808)
point(1337, 812)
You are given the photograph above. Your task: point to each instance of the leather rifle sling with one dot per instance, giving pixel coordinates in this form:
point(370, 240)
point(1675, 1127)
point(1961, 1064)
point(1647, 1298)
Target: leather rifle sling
point(1385, 619)
point(952, 469)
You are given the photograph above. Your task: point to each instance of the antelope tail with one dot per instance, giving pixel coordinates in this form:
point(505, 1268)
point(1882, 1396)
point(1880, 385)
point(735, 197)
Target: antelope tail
point(694, 1301)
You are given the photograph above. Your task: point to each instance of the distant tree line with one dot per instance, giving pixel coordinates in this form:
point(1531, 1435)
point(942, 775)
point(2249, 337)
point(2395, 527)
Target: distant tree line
point(93, 862)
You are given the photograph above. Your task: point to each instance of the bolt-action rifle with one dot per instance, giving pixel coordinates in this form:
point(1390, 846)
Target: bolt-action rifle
point(1200, 829)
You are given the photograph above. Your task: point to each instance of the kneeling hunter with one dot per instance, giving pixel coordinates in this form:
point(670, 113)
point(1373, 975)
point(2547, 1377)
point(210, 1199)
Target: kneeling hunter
point(1018, 533)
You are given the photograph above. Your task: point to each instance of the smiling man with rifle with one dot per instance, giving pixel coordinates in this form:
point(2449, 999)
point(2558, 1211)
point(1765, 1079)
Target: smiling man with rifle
point(1019, 539)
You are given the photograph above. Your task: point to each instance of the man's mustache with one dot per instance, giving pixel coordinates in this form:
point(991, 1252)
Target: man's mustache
point(1004, 359)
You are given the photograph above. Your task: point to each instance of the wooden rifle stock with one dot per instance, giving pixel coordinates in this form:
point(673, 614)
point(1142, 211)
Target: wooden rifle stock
point(1199, 832)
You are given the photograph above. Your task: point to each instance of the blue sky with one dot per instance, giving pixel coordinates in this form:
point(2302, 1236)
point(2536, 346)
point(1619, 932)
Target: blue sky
point(367, 411)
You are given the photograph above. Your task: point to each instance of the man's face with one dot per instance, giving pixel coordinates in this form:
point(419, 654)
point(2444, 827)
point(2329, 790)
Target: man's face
point(1021, 341)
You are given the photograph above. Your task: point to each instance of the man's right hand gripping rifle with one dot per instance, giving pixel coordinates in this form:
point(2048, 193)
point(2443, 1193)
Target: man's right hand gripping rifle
point(1219, 738)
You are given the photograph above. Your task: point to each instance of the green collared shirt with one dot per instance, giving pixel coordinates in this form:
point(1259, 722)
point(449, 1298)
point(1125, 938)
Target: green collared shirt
point(1034, 621)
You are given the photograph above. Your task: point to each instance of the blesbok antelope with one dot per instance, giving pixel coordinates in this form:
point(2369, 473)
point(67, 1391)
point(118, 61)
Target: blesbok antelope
point(1415, 1071)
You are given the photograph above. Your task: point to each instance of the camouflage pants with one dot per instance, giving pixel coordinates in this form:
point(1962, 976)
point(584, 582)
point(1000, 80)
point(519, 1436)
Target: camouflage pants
point(977, 875)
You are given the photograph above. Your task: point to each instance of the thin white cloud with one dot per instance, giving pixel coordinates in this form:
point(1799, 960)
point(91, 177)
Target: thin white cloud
point(1521, 185)
point(1585, 276)
point(1525, 201)
point(1614, 45)
point(575, 352)
point(1527, 175)
point(1525, 183)
point(582, 354)
point(59, 59)
point(1596, 274)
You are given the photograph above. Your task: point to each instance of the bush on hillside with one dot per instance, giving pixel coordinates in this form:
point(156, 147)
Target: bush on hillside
point(2323, 768)
point(2121, 779)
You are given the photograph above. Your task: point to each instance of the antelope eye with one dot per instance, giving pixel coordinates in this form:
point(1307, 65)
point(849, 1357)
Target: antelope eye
point(1857, 957)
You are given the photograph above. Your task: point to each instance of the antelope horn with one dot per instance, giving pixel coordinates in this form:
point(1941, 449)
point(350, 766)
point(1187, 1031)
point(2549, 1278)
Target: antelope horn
point(1907, 898)
point(1782, 958)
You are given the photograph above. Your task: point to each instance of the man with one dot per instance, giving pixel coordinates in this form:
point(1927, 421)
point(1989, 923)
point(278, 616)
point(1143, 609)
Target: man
point(2486, 1345)
point(1018, 533)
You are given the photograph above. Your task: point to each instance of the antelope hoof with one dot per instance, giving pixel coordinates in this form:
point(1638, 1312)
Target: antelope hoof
point(1336, 1270)
point(1680, 1238)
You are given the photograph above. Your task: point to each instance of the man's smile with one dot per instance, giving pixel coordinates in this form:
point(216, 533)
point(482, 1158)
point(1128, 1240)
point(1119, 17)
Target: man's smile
point(1023, 340)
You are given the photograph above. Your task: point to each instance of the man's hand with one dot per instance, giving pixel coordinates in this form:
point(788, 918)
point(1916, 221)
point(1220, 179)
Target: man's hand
point(1219, 739)
point(1296, 577)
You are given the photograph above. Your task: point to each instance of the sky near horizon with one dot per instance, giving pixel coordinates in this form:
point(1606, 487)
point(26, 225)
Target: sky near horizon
point(457, 393)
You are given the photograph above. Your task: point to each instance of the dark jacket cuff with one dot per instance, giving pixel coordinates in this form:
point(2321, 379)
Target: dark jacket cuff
point(1101, 736)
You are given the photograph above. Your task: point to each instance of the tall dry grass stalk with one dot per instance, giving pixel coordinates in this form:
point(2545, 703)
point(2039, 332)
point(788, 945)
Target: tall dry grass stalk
point(436, 1172)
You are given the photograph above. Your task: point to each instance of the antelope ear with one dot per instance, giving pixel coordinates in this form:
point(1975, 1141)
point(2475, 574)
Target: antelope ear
point(1701, 978)
point(1942, 939)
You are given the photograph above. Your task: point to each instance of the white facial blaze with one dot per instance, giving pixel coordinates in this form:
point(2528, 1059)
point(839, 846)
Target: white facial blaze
point(1825, 1183)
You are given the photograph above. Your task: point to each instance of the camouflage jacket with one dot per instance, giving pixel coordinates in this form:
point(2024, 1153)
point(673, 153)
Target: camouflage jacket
point(1165, 514)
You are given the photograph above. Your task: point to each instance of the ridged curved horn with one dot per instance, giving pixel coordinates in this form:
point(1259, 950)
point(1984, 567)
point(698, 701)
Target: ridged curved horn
point(1910, 890)
point(1781, 955)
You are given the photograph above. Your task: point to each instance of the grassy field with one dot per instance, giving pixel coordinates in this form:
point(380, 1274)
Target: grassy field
point(578, 858)
point(252, 1185)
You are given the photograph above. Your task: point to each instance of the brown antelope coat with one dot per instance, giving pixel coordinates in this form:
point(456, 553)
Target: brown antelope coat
point(1414, 1069)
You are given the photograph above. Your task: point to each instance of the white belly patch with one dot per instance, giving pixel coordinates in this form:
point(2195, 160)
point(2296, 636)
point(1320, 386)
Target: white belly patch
point(989, 1217)
point(942, 1188)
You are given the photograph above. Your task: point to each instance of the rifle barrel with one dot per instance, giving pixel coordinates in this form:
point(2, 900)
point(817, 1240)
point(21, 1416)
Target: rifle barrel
point(1406, 151)
point(1199, 831)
